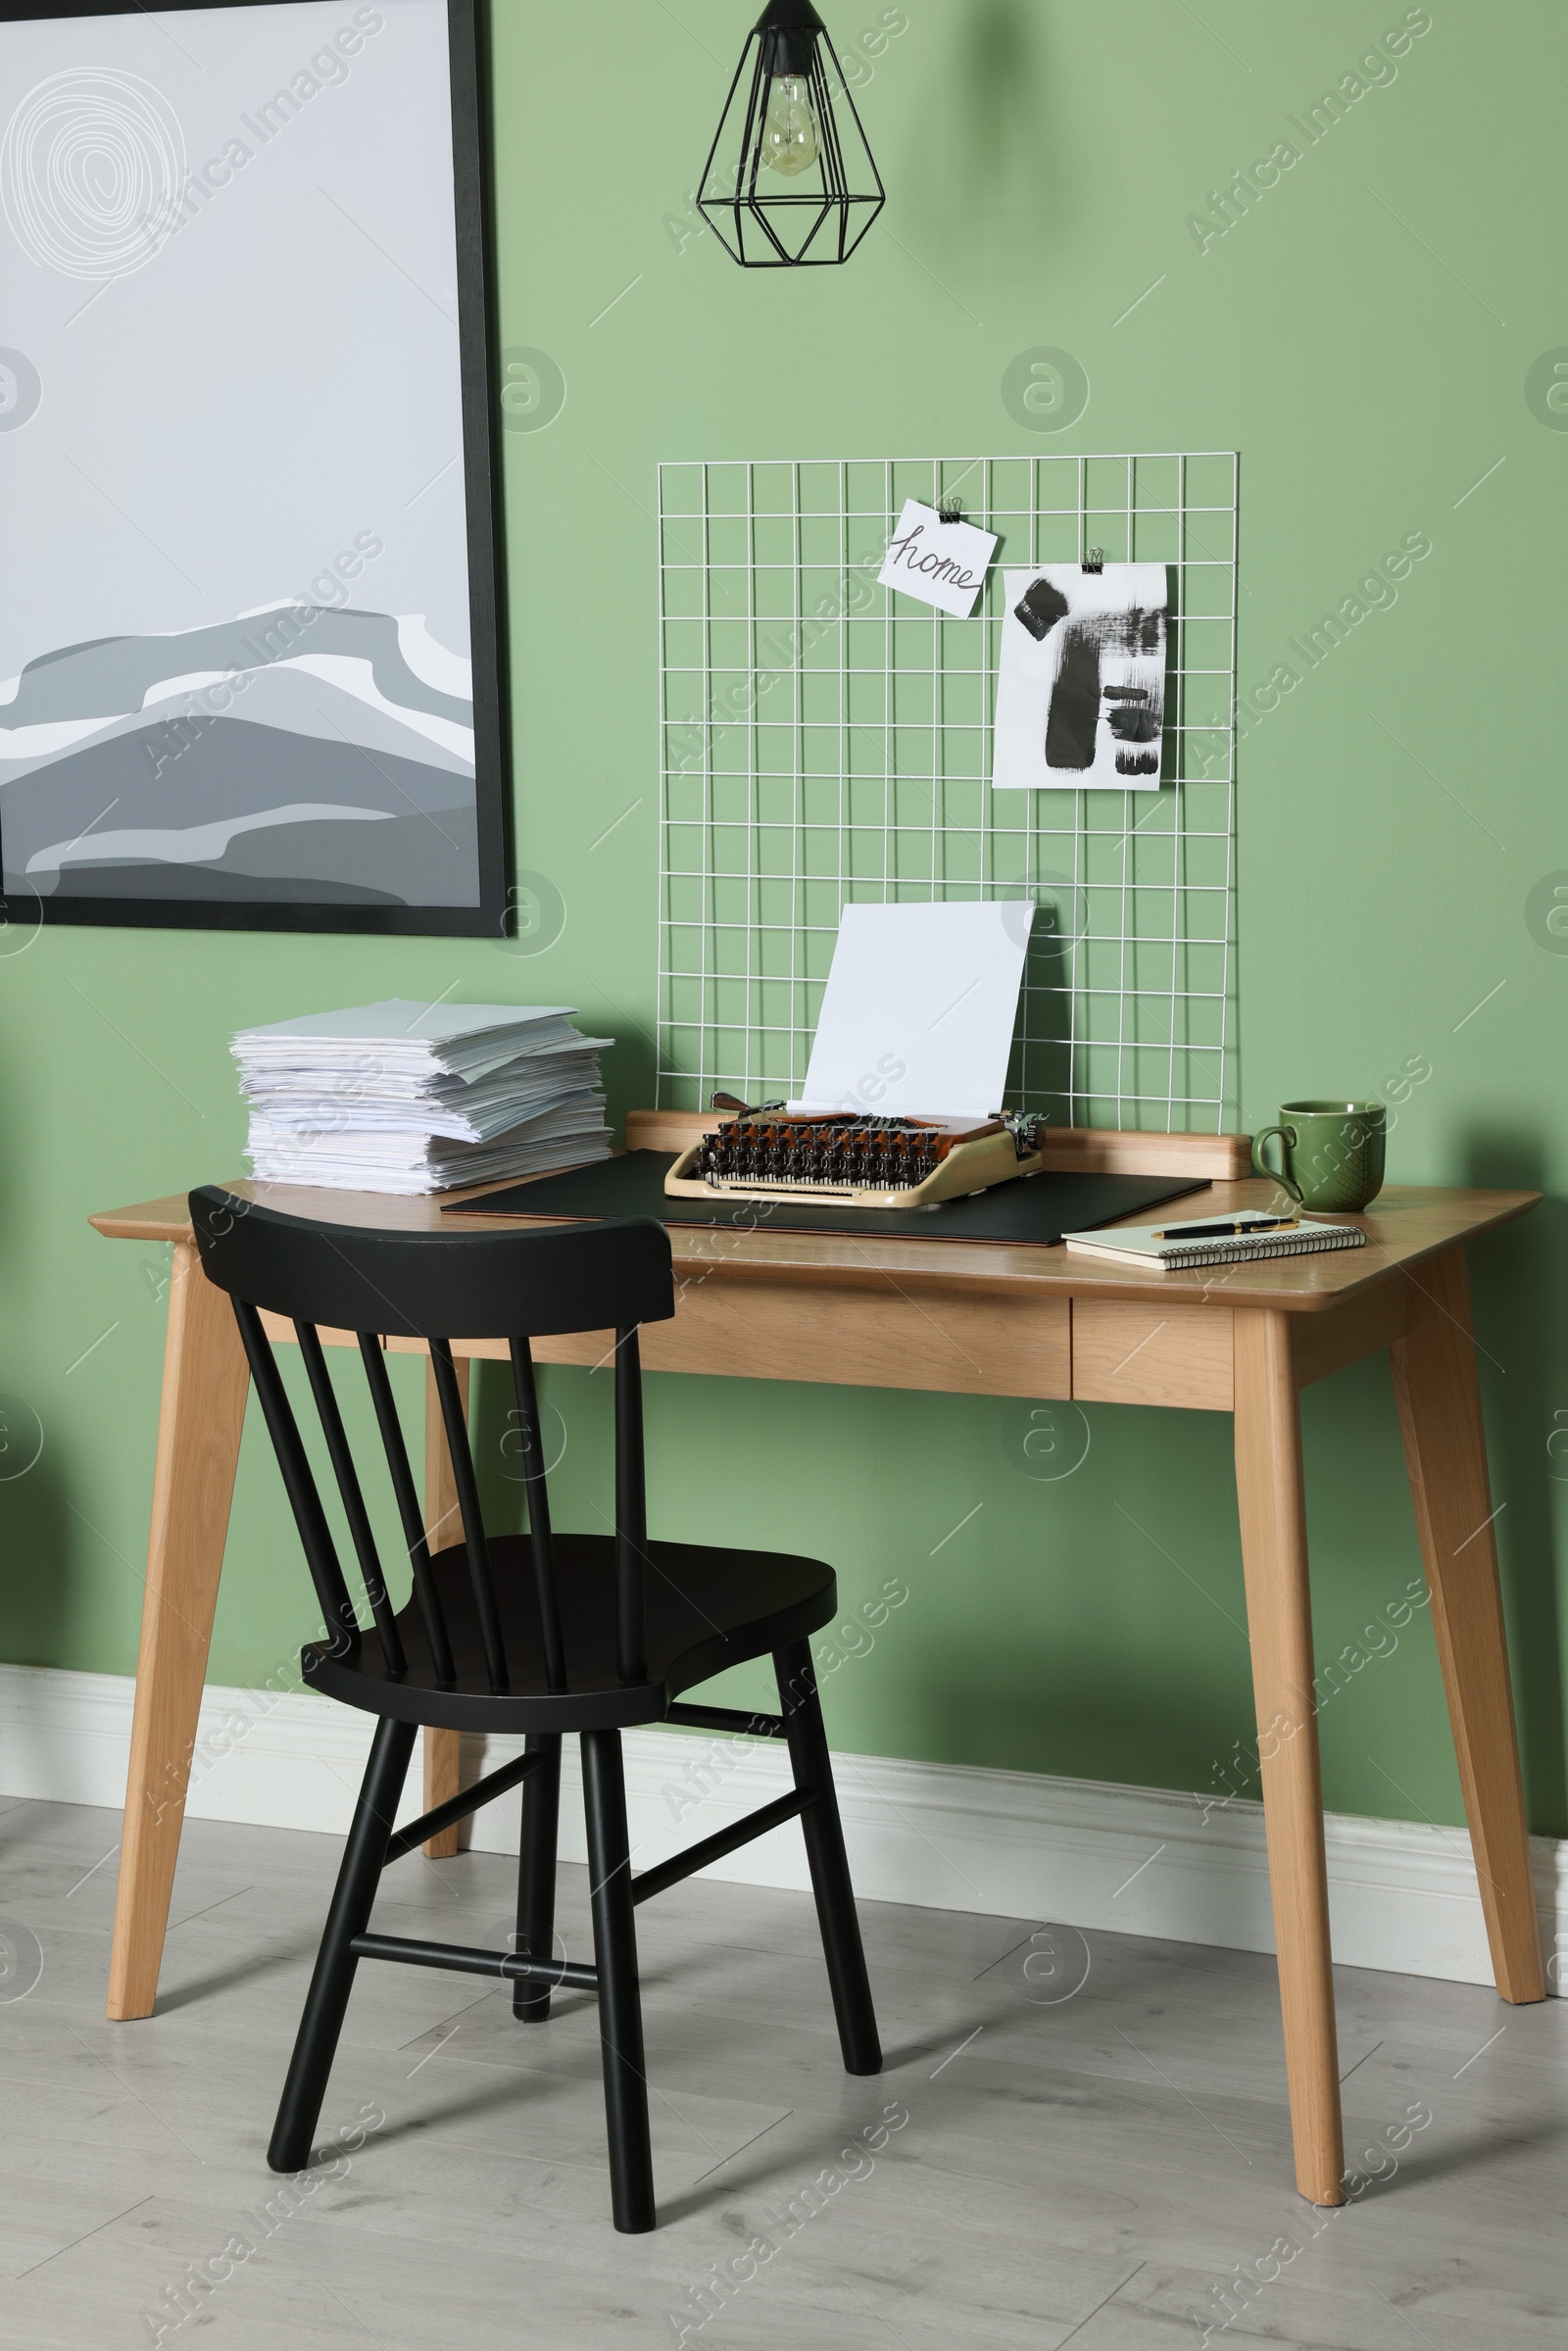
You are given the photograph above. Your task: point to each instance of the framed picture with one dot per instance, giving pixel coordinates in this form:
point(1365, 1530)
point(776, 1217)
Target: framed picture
point(249, 612)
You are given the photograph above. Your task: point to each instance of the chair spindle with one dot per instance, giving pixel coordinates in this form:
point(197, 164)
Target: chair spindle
point(531, 1436)
point(631, 1512)
point(348, 1486)
point(408, 1502)
point(316, 1537)
point(471, 1513)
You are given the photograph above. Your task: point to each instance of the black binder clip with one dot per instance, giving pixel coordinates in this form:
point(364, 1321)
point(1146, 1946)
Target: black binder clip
point(949, 508)
point(1094, 559)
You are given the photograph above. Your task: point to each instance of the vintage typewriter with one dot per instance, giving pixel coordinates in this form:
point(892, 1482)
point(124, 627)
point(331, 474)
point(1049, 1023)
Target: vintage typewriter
point(853, 1160)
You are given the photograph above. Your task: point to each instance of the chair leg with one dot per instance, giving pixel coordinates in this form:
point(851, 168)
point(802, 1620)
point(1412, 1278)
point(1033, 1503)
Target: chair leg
point(620, 2015)
point(536, 1874)
point(828, 1862)
point(326, 2002)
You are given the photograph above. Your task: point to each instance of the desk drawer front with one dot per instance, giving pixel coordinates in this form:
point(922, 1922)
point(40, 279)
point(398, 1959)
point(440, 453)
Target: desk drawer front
point(1136, 1354)
point(956, 1341)
point(852, 1336)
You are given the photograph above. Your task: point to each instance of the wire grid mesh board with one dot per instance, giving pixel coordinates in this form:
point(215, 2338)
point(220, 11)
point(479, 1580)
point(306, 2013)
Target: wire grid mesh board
point(825, 739)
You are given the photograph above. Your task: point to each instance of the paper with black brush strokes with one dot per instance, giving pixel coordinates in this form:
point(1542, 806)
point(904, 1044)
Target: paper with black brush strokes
point(1081, 680)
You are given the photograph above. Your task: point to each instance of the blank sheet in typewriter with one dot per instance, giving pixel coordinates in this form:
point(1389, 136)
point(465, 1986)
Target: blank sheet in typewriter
point(919, 1010)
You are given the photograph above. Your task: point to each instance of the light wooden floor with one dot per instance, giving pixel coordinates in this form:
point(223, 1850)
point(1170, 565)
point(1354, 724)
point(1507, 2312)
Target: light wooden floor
point(1087, 2169)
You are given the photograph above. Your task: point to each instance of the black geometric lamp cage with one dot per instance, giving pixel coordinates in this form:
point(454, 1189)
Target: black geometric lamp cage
point(789, 179)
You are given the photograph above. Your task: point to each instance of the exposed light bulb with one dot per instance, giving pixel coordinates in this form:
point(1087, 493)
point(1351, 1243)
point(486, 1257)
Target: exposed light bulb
point(791, 138)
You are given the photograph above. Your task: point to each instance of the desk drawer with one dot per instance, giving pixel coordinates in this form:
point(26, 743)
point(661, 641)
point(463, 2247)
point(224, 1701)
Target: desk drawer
point(1137, 1355)
point(853, 1336)
point(958, 1341)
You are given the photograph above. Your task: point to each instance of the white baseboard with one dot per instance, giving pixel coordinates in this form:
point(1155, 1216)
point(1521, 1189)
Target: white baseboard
point(1081, 1852)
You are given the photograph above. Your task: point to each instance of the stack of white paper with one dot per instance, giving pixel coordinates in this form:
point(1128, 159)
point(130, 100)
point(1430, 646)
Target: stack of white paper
point(415, 1098)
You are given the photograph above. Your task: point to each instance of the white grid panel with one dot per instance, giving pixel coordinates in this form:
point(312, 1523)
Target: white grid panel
point(825, 739)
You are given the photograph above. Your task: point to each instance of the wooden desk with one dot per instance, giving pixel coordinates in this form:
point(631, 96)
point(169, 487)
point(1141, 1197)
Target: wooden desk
point(989, 1320)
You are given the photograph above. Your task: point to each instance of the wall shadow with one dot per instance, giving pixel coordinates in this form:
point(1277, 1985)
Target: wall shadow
point(996, 143)
point(1514, 1272)
point(1040, 1074)
point(37, 1540)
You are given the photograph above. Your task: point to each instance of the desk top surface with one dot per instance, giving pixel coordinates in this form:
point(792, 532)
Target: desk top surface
point(1404, 1224)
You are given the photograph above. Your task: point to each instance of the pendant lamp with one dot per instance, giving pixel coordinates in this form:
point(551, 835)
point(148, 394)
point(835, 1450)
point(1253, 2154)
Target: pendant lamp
point(789, 179)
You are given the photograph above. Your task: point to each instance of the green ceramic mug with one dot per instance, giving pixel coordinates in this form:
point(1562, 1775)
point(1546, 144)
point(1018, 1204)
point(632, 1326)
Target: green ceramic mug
point(1331, 1153)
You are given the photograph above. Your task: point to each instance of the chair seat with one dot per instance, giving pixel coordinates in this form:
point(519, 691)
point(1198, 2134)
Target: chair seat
point(709, 1606)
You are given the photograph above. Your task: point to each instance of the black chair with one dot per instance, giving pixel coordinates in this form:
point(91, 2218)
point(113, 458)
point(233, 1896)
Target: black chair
point(546, 1634)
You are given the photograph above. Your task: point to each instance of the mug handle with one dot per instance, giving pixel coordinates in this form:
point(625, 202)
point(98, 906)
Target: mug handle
point(1260, 1165)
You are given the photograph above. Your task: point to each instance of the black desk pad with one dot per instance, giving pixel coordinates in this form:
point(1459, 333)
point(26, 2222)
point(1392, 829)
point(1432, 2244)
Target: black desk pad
point(1031, 1209)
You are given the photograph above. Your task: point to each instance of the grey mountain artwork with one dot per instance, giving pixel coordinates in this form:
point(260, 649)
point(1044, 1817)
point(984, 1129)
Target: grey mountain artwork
point(317, 764)
point(236, 654)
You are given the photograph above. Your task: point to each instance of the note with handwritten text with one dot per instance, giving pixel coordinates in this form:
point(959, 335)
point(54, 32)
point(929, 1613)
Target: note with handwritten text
point(942, 563)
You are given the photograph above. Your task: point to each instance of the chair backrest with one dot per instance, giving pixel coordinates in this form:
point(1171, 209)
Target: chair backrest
point(439, 1287)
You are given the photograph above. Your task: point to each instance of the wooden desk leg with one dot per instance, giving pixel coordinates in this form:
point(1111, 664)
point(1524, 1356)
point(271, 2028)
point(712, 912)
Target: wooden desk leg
point(199, 1422)
point(1279, 1616)
point(442, 1750)
point(1445, 1447)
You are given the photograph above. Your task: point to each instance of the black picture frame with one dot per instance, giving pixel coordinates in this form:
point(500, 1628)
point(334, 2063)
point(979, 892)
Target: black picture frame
point(493, 916)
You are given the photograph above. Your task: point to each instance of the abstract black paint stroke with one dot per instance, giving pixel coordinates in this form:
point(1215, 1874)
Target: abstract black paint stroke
point(1136, 763)
point(1149, 630)
point(1133, 725)
point(1041, 607)
point(1134, 632)
point(1074, 714)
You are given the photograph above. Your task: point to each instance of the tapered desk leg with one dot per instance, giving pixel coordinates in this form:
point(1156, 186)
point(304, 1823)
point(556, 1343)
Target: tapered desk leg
point(1279, 1616)
point(199, 1422)
point(1444, 1447)
point(442, 1750)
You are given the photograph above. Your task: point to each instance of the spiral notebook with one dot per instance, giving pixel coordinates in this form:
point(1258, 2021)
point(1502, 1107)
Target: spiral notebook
point(1253, 1233)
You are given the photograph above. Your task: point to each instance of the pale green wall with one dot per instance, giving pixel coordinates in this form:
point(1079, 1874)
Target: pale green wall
point(1363, 339)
